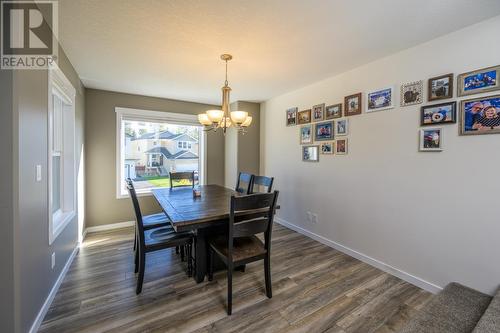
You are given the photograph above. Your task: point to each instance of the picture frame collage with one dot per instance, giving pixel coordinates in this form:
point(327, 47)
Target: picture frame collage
point(324, 128)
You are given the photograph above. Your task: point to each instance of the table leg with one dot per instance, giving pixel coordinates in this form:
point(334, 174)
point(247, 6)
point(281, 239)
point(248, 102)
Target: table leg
point(201, 255)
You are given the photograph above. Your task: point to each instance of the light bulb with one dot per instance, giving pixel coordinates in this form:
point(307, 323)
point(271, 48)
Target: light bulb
point(215, 116)
point(247, 122)
point(204, 120)
point(239, 117)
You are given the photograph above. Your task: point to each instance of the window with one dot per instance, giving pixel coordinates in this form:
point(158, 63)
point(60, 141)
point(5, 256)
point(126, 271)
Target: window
point(148, 150)
point(61, 170)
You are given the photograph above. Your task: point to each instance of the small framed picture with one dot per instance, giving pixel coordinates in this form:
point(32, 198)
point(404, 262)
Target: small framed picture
point(479, 81)
point(291, 117)
point(333, 111)
point(440, 87)
point(480, 116)
point(306, 134)
point(352, 104)
point(341, 127)
point(431, 139)
point(310, 153)
point(327, 148)
point(323, 131)
point(411, 93)
point(304, 117)
point(341, 147)
point(445, 113)
point(381, 99)
point(318, 112)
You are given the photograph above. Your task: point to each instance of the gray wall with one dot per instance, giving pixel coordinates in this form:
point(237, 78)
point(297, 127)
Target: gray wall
point(431, 217)
point(102, 205)
point(34, 277)
point(6, 204)
point(242, 152)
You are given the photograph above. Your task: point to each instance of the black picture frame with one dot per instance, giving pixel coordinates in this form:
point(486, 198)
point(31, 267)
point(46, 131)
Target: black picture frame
point(434, 122)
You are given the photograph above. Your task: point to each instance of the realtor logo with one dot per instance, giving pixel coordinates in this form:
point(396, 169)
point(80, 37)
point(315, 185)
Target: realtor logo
point(29, 34)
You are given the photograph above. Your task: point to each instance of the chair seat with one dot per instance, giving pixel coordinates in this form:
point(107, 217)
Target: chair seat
point(156, 220)
point(243, 248)
point(165, 237)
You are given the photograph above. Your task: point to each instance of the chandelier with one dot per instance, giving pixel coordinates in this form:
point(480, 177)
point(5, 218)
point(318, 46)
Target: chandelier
point(214, 119)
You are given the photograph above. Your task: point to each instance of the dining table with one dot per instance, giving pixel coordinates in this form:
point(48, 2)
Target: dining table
point(207, 215)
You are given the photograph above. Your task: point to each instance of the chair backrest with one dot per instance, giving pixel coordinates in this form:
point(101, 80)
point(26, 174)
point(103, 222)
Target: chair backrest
point(262, 181)
point(181, 176)
point(250, 215)
point(244, 183)
point(137, 210)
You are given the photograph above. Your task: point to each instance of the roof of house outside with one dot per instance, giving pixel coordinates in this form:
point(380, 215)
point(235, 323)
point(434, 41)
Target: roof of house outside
point(181, 155)
point(167, 135)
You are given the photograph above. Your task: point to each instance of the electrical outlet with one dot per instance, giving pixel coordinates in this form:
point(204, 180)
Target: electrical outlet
point(314, 218)
point(53, 260)
point(38, 173)
point(309, 217)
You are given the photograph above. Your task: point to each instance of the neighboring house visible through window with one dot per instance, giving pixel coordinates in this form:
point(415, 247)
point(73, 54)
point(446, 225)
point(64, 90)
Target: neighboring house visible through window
point(61, 169)
point(152, 144)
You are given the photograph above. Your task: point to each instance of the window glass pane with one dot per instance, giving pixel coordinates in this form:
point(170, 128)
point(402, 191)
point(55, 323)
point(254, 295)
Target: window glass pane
point(153, 149)
point(56, 183)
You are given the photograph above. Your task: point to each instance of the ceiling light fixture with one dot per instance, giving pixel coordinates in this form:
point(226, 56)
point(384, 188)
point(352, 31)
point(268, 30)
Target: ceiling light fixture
point(214, 119)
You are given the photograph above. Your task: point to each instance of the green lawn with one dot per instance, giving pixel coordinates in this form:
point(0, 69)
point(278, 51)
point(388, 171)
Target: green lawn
point(159, 181)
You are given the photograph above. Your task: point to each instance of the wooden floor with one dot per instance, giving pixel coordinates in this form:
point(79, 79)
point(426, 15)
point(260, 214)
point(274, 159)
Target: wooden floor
point(315, 289)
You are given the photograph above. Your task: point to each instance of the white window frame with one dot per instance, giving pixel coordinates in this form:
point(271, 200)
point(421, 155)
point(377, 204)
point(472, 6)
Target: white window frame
point(153, 116)
point(58, 84)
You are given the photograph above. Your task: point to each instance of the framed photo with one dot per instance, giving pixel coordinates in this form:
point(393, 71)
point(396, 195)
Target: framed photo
point(431, 139)
point(310, 153)
point(479, 81)
point(306, 134)
point(352, 104)
point(480, 116)
point(333, 111)
point(445, 113)
point(318, 112)
point(411, 93)
point(379, 100)
point(291, 117)
point(304, 117)
point(323, 131)
point(341, 147)
point(326, 148)
point(440, 87)
point(341, 127)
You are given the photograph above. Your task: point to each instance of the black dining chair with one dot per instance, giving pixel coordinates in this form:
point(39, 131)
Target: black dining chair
point(262, 183)
point(179, 176)
point(250, 215)
point(244, 183)
point(155, 239)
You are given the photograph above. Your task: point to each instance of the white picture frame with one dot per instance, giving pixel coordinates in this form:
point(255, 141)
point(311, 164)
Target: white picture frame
point(428, 139)
point(342, 127)
point(376, 100)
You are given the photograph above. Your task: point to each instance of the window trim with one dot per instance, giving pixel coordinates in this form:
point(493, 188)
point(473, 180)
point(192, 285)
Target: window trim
point(58, 83)
point(159, 116)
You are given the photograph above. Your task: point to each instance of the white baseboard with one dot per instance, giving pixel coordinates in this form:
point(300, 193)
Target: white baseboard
point(46, 305)
point(111, 226)
point(364, 258)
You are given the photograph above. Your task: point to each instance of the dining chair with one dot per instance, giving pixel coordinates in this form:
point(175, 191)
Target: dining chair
point(181, 176)
point(250, 215)
point(155, 239)
point(244, 183)
point(263, 183)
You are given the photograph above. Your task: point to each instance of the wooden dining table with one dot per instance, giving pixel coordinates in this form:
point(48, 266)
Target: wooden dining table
point(206, 215)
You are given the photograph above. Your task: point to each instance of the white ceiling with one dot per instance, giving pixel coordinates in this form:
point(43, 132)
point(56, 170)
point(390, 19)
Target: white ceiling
point(171, 48)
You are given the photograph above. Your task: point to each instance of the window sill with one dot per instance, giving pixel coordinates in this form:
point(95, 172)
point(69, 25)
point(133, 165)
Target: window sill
point(139, 194)
point(60, 223)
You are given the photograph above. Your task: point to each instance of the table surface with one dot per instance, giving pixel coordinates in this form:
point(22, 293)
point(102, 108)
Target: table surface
point(189, 213)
